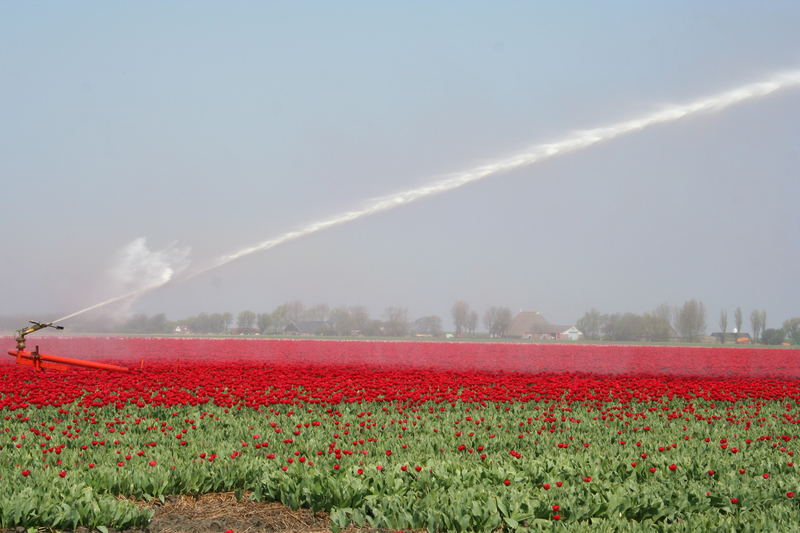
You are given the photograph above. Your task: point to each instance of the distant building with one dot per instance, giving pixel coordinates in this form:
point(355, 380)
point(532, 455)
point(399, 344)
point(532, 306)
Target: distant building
point(245, 331)
point(571, 333)
point(533, 326)
point(731, 336)
point(309, 327)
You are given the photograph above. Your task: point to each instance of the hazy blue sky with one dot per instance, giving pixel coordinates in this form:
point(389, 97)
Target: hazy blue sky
point(215, 125)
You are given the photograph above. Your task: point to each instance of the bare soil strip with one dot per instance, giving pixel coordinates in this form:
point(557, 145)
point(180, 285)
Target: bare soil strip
point(217, 513)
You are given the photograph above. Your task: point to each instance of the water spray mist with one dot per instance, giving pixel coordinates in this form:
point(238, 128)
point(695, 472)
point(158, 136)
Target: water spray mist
point(576, 141)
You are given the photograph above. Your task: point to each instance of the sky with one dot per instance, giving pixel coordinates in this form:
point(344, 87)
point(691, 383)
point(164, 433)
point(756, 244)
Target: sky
point(207, 127)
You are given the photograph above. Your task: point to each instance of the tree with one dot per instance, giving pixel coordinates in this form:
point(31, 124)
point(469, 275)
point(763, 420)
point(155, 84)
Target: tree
point(141, 323)
point(619, 327)
point(160, 324)
point(690, 320)
point(215, 323)
point(263, 322)
point(288, 312)
point(590, 324)
point(428, 325)
point(737, 320)
point(460, 312)
point(361, 320)
point(226, 319)
point(341, 321)
point(755, 323)
point(245, 320)
point(317, 312)
point(396, 324)
point(773, 336)
point(220, 322)
point(373, 328)
point(199, 323)
point(655, 328)
point(664, 312)
point(354, 320)
point(488, 319)
point(136, 324)
point(472, 322)
point(792, 329)
point(497, 320)
point(723, 324)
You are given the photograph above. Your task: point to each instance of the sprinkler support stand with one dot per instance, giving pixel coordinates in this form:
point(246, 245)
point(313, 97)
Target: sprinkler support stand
point(40, 361)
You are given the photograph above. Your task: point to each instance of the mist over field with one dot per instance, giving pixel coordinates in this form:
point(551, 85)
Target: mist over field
point(222, 159)
point(443, 266)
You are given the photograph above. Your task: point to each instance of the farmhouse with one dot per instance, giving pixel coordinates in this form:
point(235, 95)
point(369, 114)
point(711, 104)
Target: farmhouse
point(731, 336)
point(244, 331)
point(308, 327)
point(532, 325)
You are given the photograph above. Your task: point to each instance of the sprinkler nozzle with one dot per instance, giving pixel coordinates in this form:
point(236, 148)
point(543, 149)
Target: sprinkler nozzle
point(20, 338)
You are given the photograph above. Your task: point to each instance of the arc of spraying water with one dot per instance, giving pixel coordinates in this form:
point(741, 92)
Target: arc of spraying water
point(576, 141)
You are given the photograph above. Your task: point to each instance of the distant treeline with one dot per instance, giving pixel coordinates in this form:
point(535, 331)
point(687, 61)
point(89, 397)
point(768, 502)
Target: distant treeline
point(686, 323)
point(291, 318)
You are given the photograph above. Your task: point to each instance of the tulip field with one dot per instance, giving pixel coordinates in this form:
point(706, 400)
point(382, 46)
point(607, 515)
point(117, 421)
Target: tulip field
point(443, 436)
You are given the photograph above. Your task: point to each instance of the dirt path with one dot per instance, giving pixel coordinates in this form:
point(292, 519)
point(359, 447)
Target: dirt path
point(217, 513)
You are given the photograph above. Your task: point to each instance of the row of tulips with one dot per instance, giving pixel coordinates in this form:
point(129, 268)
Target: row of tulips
point(721, 361)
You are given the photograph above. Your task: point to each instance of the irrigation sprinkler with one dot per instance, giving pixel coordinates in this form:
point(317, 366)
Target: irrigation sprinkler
point(41, 361)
